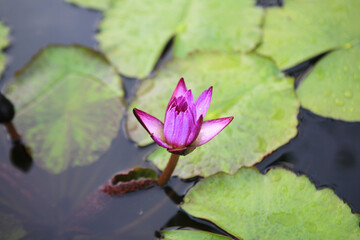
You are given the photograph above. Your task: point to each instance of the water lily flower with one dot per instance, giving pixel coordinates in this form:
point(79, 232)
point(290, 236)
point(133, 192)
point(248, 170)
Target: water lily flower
point(184, 128)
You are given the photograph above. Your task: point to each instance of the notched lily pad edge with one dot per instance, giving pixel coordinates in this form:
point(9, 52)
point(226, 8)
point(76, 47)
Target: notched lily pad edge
point(316, 56)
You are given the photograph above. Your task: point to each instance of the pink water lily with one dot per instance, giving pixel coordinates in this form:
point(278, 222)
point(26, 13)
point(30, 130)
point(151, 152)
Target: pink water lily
point(184, 127)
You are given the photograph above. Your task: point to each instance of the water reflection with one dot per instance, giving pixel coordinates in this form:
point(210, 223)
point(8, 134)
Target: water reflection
point(20, 155)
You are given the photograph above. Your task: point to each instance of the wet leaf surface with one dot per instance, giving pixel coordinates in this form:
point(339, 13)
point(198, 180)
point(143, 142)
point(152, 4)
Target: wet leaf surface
point(332, 88)
point(278, 205)
point(220, 26)
point(248, 87)
point(64, 97)
point(4, 42)
point(134, 33)
point(130, 181)
point(301, 29)
point(188, 234)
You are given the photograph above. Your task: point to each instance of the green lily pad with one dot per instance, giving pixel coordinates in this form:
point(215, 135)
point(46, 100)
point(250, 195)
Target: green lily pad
point(248, 87)
point(301, 29)
point(69, 104)
point(189, 234)
point(134, 33)
point(223, 26)
point(94, 4)
point(10, 227)
point(4, 42)
point(278, 205)
point(332, 89)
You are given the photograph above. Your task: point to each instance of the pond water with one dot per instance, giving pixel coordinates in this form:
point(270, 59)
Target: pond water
point(70, 206)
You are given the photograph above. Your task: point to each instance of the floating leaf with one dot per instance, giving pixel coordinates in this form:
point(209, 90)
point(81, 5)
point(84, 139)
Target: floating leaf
point(130, 181)
point(332, 89)
point(94, 4)
point(69, 105)
point(301, 29)
point(10, 227)
point(215, 25)
point(4, 42)
point(134, 33)
point(188, 234)
point(278, 205)
point(248, 87)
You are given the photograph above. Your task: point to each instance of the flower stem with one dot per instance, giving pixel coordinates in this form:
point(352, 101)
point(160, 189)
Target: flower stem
point(14, 135)
point(166, 174)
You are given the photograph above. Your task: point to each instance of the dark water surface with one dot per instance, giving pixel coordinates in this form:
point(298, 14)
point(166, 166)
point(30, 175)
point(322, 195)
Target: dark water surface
point(70, 206)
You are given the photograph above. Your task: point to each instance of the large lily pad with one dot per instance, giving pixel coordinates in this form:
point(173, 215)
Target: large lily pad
point(4, 42)
point(134, 33)
point(10, 227)
point(278, 205)
point(69, 105)
point(332, 89)
point(248, 87)
point(188, 234)
point(301, 29)
point(94, 4)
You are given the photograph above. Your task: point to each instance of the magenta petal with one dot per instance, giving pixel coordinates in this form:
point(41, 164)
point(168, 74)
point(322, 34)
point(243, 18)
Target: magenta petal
point(203, 102)
point(195, 131)
point(209, 129)
point(153, 125)
point(189, 98)
point(160, 142)
point(179, 90)
point(182, 129)
point(169, 124)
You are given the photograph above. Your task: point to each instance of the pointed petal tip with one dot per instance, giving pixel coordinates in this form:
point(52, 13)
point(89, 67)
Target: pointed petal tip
point(181, 86)
point(151, 124)
point(180, 90)
point(203, 102)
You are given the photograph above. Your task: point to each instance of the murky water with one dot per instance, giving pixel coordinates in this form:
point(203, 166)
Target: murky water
point(68, 205)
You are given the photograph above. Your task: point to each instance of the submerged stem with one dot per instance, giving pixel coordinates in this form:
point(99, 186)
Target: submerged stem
point(166, 174)
point(14, 135)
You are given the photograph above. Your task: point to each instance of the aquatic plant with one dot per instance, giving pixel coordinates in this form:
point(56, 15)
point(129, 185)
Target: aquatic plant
point(184, 128)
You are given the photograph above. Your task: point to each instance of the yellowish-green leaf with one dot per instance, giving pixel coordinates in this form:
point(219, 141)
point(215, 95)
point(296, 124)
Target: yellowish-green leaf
point(4, 42)
point(189, 234)
point(248, 87)
point(332, 89)
point(278, 205)
point(134, 33)
point(68, 102)
point(223, 26)
point(302, 29)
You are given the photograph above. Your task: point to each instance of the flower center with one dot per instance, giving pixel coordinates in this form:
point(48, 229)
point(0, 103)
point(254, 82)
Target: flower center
point(180, 105)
